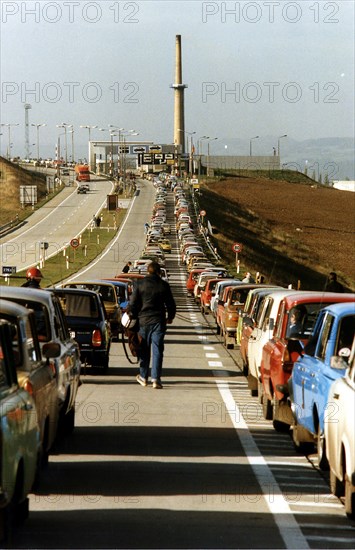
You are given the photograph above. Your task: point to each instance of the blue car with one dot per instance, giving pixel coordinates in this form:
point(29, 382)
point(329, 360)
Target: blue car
point(315, 371)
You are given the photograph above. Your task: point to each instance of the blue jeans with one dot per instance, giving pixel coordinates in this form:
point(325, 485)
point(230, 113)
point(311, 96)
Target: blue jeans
point(152, 340)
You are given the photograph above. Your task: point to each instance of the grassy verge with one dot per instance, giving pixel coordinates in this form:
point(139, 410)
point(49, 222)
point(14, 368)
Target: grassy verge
point(92, 243)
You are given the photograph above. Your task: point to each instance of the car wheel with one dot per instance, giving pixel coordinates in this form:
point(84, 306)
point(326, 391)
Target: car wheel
point(336, 486)
point(279, 426)
point(267, 408)
point(321, 453)
point(300, 445)
point(69, 421)
point(349, 498)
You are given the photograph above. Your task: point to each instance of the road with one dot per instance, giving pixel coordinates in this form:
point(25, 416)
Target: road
point(194, 465)
point(56, 223)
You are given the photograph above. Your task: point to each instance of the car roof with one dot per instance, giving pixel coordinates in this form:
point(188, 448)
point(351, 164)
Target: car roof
point(25, 293)
point(12, 308)
point(319, 296)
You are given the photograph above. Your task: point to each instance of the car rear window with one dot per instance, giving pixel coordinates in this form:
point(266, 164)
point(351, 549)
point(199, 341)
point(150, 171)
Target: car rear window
point(75, 305)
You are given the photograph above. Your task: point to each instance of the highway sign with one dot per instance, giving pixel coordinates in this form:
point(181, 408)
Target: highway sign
point(74, 243)
point(155, 148)
point(237, 247)
point(8, 269)
point(123, 149)
point(139, 149)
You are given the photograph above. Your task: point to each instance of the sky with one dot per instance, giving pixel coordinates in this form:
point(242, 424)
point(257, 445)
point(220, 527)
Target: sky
point(253, 68)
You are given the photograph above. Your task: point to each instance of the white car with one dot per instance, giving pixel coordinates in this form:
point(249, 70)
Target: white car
point(261, 334)
point(339, 429)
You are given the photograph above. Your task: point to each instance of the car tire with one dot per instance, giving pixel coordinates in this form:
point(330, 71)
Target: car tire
point(69, 421)
point(322, 460)
point(279, 426)
point(336, 486)
point(267, 408)
point(349, 498)
point(300, 446)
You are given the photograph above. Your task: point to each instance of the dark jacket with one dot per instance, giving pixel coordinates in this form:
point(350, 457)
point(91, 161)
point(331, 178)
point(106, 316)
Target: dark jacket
point(152, 301)
point(31, 283)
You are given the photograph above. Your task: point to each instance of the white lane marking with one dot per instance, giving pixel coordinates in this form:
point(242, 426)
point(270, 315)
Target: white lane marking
point(278, 506)
point(215, 364)
point(99, 258)
point(212, 355)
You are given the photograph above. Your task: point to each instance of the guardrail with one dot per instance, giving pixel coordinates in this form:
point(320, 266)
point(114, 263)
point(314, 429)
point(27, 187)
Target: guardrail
point(4, 229)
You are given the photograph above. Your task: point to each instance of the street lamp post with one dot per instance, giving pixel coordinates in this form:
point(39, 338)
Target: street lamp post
point(89, 128)
point(9, 135)
point(278, 144)
point(208, 154)
point(72, 144)
point(188, 146)
point(199, 149)
point(250, 145)
point(65, 126)
point(38, 126)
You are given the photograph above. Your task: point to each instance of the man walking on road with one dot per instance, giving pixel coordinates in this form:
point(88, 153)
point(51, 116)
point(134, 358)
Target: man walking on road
point(153, 304)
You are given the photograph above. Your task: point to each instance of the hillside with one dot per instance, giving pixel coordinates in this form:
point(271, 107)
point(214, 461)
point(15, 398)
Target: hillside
point(289, 231)
point(12, 176)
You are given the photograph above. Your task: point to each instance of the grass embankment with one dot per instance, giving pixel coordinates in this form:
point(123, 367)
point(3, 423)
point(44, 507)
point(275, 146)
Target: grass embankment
point(289, 225)
point(92, 243)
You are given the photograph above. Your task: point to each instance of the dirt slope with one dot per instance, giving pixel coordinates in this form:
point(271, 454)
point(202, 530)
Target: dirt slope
point(290, 231)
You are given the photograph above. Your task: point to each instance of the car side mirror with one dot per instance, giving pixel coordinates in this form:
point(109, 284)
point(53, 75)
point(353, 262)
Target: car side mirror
point(51, 350)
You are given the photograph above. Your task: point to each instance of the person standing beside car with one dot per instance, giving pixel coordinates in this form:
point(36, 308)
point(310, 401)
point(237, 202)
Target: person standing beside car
point(153, 304)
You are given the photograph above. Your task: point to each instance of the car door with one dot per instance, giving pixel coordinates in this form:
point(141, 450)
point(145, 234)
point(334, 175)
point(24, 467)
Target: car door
point(40, 378)
point(68, 364)
point(19, 432)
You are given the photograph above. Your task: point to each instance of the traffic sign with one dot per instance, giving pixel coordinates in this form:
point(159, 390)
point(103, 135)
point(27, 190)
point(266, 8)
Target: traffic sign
point(8, 269)
point(74, 243)
point(237, 247)
point(155, 148)
point(140, 149)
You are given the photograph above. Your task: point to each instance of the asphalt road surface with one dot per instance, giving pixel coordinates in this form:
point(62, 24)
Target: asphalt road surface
point(56, 223)
point(194, 465)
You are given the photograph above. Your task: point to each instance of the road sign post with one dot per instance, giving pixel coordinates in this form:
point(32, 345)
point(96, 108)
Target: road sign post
point(237, 248)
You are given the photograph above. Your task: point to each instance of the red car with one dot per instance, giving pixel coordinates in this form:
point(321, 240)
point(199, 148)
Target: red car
point(206, 294)
point(293, 327)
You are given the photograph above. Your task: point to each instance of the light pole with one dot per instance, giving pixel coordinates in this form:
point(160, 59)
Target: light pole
point(250, 145)
point(9, 134)
point(208, 154)
point(188, 146)
point(278, 144)
point(38, 126)
point(199, 148)
point(89, 128)
point(128, 133)
point(65, 126)
point(72, 143)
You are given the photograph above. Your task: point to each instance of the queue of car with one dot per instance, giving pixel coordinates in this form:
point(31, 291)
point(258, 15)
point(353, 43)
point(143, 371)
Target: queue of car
point(298, 353)
point(46, 336)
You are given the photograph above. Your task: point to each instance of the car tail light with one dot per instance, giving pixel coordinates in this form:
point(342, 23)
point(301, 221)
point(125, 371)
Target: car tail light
point(96, 338)
point(28, 387)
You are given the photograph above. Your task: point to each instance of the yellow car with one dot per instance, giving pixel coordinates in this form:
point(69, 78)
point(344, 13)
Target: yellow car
point(165, 245)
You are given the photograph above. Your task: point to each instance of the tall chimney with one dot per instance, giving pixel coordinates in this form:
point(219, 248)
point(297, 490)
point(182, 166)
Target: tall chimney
point(179, 87)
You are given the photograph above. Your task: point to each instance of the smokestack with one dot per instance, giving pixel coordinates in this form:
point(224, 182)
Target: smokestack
point(179, 87)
